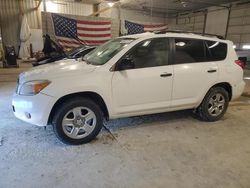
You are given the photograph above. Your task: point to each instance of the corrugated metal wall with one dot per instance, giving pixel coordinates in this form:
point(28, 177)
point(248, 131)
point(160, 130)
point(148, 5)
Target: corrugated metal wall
point(10, 22)
point(33, 15)
point(239, 25)
point(10, 18)
point(191, 22)
point(72, 8)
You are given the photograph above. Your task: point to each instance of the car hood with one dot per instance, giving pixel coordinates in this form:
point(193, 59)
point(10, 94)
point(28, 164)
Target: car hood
point(62, 68)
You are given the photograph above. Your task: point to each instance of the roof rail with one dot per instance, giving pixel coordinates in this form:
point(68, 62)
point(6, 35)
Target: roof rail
point(191, 32)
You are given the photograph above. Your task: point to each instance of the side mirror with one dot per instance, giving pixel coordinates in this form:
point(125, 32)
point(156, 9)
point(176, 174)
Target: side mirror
point(126, 63)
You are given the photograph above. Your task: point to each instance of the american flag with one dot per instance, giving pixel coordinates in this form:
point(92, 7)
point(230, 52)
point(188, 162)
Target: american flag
point(134, 28)
point(73, 33)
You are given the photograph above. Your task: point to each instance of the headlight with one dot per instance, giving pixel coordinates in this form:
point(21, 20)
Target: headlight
point(33, 87)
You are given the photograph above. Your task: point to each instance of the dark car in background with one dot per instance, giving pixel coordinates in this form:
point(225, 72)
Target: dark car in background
point(72, 54)
point(244, 56)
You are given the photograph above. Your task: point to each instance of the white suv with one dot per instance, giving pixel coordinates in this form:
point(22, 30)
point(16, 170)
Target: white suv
point(130, 76)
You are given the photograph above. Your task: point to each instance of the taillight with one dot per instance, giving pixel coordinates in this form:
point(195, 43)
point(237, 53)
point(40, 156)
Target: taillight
point(240, 63)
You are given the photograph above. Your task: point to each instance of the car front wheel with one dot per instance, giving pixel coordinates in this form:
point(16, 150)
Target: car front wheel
point(78, 121)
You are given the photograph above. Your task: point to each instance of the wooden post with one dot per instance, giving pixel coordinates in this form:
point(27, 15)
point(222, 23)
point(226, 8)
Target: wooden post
point(205, 22)
point(228, 20)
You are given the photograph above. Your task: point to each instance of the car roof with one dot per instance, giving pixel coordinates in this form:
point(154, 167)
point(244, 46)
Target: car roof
point(173, 34)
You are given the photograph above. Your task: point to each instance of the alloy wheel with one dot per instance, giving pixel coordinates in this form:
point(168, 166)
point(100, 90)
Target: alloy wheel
point(216, 104)
point(79, 122)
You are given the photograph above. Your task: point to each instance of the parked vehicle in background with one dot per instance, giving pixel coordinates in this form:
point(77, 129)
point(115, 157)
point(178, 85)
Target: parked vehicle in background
point(244, 56)
point(130, 76)
point(72, 54)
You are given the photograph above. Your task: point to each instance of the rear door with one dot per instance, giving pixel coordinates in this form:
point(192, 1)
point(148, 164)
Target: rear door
point(194, 74)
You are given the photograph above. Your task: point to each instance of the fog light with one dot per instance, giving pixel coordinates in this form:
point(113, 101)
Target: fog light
point(28, 116)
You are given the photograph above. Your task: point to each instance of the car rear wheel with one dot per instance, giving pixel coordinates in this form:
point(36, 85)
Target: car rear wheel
point(78, 121)
point(214, 105)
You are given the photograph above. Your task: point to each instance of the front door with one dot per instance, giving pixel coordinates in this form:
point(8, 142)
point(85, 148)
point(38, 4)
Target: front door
point(147, 87)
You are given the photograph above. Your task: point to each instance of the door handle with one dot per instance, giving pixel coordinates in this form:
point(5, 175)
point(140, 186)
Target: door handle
point(166, 74)
point(212, 70)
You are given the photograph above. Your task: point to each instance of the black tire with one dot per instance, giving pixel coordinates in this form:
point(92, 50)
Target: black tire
point(65, 108)
point(203, 112)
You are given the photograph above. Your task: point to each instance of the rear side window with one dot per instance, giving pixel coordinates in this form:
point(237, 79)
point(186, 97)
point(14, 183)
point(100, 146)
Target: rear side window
point(189, 51)
point(217, 51)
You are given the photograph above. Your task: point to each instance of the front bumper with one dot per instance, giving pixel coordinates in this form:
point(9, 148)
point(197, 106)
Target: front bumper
point(33, 109)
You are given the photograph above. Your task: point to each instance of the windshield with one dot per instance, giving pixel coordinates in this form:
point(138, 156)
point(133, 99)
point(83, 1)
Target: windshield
point(105, 52)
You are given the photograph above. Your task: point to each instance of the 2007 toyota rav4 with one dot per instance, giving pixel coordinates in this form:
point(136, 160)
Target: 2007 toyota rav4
point(129, 76)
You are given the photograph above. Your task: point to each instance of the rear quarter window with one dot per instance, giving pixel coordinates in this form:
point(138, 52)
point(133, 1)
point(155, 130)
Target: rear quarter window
point(217, 51)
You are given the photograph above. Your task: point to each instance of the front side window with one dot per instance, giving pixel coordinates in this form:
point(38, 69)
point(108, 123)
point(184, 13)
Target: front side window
point(105, 52)
point(150, 53)
point(189, 51)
